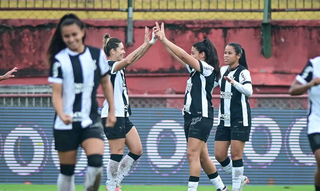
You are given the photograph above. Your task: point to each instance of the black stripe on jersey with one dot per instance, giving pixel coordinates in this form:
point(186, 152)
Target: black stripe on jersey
point(126, 104)
point(235, 103)
point(78, 79)
point(223, 89)
point(307, 74)
point(246, 82)
point(95, 54)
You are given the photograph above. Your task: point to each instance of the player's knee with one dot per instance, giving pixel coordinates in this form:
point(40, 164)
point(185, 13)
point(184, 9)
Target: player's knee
point(220, 156)
point(95, 160)
point(192, 155)
point(137, 151)
point(67, 169)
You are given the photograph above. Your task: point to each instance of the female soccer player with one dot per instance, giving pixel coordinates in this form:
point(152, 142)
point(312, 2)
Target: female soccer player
point(124, 132)
point(9, 75)
point(309, 80)
point(234, 114)
point(76, 70)
point(203, 66)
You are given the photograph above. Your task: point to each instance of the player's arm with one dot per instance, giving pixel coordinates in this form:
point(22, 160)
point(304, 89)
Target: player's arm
point(304, 81)
point(56, 79)
point(107, 89)
point(175, 56)
point(244, 85)
point(136, 54)
point(9, 74)
point(176, 50)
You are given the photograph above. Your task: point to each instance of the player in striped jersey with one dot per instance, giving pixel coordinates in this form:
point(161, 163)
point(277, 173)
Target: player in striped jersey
point(76, 71)
point(234, 114)
point(203, 66)
point(124, 132)
point(309, 80)
point(9, 75)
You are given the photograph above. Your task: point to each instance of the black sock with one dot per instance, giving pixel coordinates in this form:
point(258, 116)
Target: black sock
point(116, 157)
point(134, 156)
point(213, 176)
point(225, 162)
point(194, 179)
point(317, 188)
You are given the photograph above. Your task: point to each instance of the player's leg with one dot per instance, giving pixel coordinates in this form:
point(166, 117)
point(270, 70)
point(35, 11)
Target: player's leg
point(314, 140)
point(239, 135)
point(116, 138)
point(317, 174)
point(93, 144)
point(197, 130)
point(134, 145)
point(211, 170)
point(66, 143)
point(221, 146)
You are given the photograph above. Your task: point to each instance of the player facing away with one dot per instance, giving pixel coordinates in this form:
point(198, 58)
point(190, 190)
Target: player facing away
point(124, 132)
point(76, 70)
point(309, 80)
point(203, 66)
point(234, 114)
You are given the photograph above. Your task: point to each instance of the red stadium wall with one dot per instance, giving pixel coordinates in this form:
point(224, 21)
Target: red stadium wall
point(24, 42)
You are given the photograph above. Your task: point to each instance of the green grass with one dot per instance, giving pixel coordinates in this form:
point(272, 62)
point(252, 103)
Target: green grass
point(21, 187)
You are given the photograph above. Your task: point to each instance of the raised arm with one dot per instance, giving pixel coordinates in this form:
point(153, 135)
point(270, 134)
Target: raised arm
point(136, 54)
point(176, 50)
point(8, 74)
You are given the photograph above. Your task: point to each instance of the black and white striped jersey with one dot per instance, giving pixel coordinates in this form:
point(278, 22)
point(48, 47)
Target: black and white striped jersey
point(234, 107)
point(120, 90)
point(312, 70)
point(80, 76)
point(198, 95)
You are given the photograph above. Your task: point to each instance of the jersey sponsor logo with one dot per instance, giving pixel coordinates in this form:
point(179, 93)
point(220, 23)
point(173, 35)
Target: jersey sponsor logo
point(186, 108)
point(244, 77)
point(93, 64)
point(189, 87)
point(195, 120)
point(208, 68)
point(225, 117)
point(225, 95)
point(55, 68)
point(306, 72)
point(79, 87)
point(77, 116)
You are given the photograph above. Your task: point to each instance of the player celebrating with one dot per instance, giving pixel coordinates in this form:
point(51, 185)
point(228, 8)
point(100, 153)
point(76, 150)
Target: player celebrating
point(309, 80)
point(76, 70)
point(203, 66)
point(234, 114)
point(124, 132)
point(9, 75)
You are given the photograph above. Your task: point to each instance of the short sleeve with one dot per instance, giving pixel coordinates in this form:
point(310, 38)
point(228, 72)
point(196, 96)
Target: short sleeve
point(205, 69)
point(55, 73)
point(245, 77)
point(103, 63)
point(189, 68)
point(112, 64)
point(306, 75)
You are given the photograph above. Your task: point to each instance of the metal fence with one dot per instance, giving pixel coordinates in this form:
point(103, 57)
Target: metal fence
point(159, 9)
point(40, 96)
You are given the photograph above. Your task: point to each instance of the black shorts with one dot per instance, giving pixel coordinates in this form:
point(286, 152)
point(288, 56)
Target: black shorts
point(197, 127)
point(314, 140)
point(120, 129)
point(68, 140)
point(239, 133)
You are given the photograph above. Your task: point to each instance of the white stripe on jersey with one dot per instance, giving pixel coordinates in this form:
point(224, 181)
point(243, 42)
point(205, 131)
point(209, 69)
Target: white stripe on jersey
point(204, 100)
point(244, 110)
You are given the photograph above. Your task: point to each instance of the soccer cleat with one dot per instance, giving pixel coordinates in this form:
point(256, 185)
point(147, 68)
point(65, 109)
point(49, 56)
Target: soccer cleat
point(244, 182)
point(224, 189)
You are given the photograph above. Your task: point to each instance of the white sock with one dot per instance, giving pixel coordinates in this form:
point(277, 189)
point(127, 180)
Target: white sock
point(124, 168)
point(112, 171)
point(66, 183)
point(237, 176)
point(228, 168)
point(193, 186)
point(93, 178)
point(217, 182)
